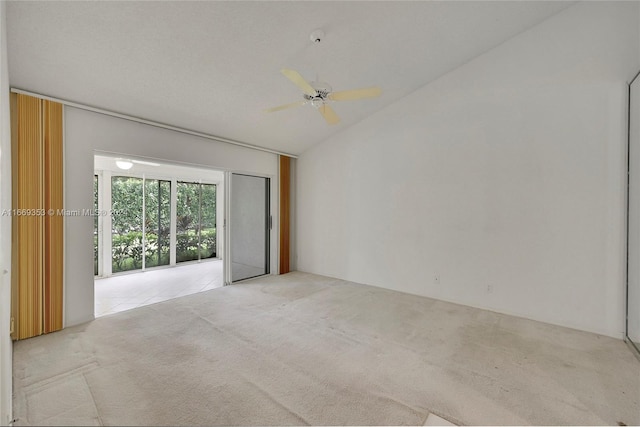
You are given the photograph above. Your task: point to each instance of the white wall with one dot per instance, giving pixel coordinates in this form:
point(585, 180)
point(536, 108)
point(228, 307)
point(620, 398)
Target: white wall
point(86, 132)
point(5, 228)
point(506, 177)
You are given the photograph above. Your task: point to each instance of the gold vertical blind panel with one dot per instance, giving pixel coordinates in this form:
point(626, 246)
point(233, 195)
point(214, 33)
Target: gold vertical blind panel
point(28, 230)
point(36, 240)
point(285, 207)
point(53, 225)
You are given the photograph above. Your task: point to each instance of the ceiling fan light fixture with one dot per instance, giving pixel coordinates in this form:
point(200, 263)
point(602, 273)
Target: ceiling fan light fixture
point(317, 102)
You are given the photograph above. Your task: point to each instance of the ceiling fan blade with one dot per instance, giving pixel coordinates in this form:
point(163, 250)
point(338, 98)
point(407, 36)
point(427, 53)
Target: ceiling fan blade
point(299, 81)
point(348, 95)
point(329, 115)
point(284, 107)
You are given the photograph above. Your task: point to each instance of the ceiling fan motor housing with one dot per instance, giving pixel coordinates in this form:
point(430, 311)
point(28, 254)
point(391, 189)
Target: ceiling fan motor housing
point(322, 93)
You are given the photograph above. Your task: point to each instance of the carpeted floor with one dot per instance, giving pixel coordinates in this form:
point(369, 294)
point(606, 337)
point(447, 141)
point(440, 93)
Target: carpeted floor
point(305, 349)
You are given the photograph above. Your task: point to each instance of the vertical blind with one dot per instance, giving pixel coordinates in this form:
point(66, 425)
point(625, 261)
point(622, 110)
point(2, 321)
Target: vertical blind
point(37, 223)
point(285, 207)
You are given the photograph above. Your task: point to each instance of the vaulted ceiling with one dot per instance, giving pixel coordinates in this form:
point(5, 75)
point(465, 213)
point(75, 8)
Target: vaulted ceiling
point(214, 66)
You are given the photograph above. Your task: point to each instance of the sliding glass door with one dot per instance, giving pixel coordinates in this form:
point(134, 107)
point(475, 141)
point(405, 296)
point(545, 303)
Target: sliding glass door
point(141, 223)
point(195, 221)
point(126, 234)
point(157, 226)
point(207, 221)
point(250, 226)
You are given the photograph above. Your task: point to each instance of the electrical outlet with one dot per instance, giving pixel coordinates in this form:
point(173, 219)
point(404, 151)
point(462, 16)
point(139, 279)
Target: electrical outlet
point(436, 279)
point(489, 289)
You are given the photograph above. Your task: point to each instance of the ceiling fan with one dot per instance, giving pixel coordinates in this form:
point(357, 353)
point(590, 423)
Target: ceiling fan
point(319, 94)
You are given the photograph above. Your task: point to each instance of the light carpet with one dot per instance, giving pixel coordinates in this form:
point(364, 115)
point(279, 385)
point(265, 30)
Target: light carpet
point(304, 349)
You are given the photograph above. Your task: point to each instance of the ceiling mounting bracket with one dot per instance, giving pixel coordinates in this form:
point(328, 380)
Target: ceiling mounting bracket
point(316, 36)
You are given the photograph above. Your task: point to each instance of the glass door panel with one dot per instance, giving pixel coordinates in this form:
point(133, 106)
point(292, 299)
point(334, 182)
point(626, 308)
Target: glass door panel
point(207, 221)
point(157, 222)
point(126, 234)
point(196, 221)
point(187, 221)
point(249, 237)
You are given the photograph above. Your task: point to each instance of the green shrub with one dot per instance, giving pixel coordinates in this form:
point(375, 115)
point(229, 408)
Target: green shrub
point(127, 250)
point(187, 247)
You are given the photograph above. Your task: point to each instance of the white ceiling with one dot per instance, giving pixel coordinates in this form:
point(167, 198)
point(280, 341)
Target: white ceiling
point(214, 67)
